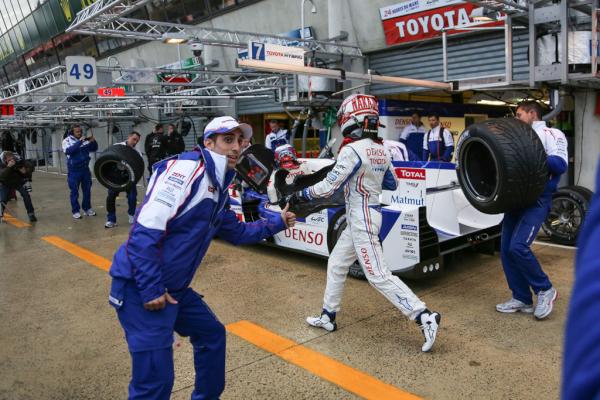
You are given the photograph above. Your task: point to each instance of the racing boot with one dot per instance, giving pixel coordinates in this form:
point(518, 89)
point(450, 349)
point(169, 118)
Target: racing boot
point(429, 322)
point(326, 321)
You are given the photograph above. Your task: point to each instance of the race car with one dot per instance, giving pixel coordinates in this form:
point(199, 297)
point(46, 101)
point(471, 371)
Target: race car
point(425, 219)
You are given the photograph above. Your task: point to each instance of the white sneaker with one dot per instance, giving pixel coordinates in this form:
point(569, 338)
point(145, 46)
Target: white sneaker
point(545, 303)
point(90, 213)
point(429, 322)
point(131, 219)
point(322, 321)
point(513, 306)
point(110, 224)
point(77, 215)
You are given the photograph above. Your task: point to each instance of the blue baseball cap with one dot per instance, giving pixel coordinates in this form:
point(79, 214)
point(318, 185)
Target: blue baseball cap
point(226, 124)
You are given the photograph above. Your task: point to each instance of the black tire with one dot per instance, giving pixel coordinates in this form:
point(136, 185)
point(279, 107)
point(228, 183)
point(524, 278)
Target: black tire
point(335, 231)
point(501, 165)
point(119, 168)
point(567, 213)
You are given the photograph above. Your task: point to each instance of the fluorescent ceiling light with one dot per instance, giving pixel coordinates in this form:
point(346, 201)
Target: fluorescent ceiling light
point(174, 38)
point(491, 102)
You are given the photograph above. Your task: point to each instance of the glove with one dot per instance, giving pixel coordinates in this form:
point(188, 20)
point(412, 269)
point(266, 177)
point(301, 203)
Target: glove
point(27, 186)
point(294, 199)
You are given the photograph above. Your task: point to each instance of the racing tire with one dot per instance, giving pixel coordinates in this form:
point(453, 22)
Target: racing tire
point(335, 231)
point(501, 165)
point(119, 168)
point(567, 213)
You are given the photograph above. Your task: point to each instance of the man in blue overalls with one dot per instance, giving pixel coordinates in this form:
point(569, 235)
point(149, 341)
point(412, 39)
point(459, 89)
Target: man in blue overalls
point(523, 272)
point(186, 205)
point(78, 149)
point(438, 144)
point(412, 137)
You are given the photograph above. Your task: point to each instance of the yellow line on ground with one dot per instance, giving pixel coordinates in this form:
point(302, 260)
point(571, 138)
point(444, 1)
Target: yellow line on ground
point(15, 222)
point(346, 377)
point(80, 252)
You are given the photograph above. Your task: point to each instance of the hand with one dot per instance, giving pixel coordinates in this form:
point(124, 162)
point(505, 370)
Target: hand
point(288, 217)
point(160, 302)
point(91, 138)
point(23, 170)
point(27, 186)
point(11, 163)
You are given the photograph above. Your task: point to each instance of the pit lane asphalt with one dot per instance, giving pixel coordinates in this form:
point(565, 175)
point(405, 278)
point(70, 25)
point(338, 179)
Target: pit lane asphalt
point(59, 338)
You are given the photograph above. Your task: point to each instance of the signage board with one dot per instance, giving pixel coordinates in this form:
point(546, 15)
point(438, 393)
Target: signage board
point(276, 53)
point(111, 92)
point(426, 19)
point(81, 71)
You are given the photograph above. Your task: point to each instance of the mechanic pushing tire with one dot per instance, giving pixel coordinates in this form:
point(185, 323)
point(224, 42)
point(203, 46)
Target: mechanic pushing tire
point(119, 168)
point(569, 207)
point(501, 165)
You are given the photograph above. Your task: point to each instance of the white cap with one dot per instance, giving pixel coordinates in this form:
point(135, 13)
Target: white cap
point(227, 124)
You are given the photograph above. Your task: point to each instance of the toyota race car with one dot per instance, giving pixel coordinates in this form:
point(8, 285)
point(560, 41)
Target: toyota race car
point(426, 218)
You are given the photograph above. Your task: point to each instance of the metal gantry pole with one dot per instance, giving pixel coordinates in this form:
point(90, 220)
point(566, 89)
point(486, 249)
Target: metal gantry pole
point(508, 55)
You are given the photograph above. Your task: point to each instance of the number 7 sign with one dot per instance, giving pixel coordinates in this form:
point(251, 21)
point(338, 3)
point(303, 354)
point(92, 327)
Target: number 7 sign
point(81, 71)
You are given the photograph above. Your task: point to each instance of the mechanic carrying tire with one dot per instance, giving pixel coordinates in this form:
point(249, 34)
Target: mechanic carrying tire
point(119, 168)
point(506, 166)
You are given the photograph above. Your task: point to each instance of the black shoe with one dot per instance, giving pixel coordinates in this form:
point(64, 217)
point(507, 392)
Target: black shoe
point(32, 217)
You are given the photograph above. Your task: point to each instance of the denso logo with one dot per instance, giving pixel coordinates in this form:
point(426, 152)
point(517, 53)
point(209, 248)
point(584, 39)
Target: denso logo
point(178, 175)
point(365, 256)
point(307, 237)
point(411, 173)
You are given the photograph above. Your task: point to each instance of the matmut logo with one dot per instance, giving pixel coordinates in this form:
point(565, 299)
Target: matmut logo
point(411, 173)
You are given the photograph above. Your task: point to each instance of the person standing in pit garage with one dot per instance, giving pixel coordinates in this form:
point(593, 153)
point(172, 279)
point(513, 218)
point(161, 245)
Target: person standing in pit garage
point(581, 365)
point(438, 144)
point(174, 142)
point(412, 137)
point(111, 210)
point(155, 146)
point(277, 137)
point(186, 205)
point(362, 170)
point(520, 227)
point(78, 149)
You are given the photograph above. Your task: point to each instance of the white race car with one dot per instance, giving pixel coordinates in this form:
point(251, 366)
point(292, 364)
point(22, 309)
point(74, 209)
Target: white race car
point(426, 218)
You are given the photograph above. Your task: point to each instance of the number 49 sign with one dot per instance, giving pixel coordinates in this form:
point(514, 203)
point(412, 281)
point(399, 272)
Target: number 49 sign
point(81, 71)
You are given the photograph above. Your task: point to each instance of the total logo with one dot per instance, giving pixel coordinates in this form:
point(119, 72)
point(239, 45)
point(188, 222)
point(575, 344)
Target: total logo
point(301, 235)
point(411, 173)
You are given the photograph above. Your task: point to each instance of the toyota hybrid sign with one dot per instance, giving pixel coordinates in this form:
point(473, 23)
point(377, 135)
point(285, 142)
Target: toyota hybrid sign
point(416, 20)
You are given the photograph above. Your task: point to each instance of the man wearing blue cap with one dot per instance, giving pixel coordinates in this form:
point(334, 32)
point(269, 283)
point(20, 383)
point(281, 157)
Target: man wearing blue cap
point(186, 205)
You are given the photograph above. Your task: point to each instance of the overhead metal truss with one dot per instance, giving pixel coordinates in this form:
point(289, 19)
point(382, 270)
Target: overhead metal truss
point(44, 80)
point(106, 18)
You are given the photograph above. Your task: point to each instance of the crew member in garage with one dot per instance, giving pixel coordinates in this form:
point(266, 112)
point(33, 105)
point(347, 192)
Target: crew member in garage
point(111, 210)
point(523, 272)
point(362, 170)
point(277, 137)
point(186, 205)
point(78, 149)
point(581, 365)
point(412, 137)
point(155, 146)
point(174, 142)
point(438, 144)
